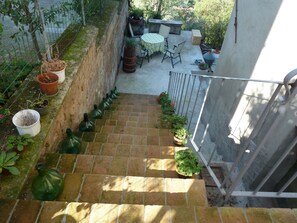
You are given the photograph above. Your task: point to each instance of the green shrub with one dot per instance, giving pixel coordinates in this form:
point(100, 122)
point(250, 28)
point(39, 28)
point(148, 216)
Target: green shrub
point(187, 163)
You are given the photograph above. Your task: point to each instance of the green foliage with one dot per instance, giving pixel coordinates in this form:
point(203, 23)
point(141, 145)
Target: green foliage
point(39, 102)
point(12, 75)
point(18, 142)
point(187, 163)
point(130, 42)
point(4, 114)
point(92, 7)
point(214, 16)
point(7, 161)
point(136, 13)
point(25, 15)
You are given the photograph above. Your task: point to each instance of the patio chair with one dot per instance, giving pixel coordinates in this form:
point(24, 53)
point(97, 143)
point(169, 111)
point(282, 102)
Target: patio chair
point(164, 31)
point(141, 54)
point(174, 54)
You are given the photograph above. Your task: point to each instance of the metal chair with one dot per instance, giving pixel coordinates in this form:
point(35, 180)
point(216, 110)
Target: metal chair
point(141, 53)
point(174, 53)
point(164, 31)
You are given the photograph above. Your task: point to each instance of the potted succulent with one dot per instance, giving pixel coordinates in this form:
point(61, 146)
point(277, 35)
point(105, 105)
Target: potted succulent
point(187, 163)
point(7, 163)
point(18, 142)
point(54, 65)
point(40, 104)
point(27, 121)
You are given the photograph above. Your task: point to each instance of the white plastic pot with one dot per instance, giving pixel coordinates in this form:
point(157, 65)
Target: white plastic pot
point(61, 75)
point(20, 120)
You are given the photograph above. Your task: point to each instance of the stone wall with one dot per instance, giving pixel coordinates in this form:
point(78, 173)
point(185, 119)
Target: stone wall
point(93, 61)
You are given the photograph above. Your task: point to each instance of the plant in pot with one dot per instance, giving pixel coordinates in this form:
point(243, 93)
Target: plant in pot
point(54, 65)
point(40, 104)
point(48, 83)
point(129, 64)
point(180, 136)
point(18, 142)
point(27, 121)
point(202, 66)
point(7, 163)
point(136, 20)
point(187, 163)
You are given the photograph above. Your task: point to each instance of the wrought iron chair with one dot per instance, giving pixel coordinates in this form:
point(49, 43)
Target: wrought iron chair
point(174, 54)
point(164, 31)
point(141, 54)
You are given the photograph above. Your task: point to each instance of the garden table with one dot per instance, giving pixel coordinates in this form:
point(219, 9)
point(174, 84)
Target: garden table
point(153, 42)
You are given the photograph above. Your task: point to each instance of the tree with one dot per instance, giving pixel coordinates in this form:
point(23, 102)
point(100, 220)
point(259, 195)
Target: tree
point(25, 13)
point(214, 16)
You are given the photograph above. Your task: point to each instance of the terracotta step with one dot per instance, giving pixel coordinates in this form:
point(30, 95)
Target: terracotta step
point(55, 211)
point(130, 190)
point(114, 165)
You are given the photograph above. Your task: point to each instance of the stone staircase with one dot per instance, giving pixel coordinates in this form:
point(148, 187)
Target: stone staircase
point(126, 173)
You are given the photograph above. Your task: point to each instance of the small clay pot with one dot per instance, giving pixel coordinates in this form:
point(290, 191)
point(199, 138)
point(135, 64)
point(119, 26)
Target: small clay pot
point(178, 142)
point(48, 83)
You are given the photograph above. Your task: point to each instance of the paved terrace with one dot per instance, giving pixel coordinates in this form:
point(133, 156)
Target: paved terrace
point(153, 77)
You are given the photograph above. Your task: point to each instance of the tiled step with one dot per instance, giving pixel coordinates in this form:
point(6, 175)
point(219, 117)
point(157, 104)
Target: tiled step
point(54, 211)
point(130, 190)
point(143, 138)
point(113, 165)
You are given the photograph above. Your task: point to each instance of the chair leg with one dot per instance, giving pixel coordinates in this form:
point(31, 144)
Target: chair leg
point(163, 57)
point(172, 62)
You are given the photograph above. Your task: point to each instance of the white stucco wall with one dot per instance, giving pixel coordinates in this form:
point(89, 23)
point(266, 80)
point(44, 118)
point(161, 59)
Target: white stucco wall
point(265, 49)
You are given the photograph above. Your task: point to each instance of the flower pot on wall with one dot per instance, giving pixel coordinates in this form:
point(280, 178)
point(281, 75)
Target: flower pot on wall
point(48, 83)
point(60, 74)
point(27, 121)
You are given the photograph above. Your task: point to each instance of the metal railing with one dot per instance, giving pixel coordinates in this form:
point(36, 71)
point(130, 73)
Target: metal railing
point(236, 123)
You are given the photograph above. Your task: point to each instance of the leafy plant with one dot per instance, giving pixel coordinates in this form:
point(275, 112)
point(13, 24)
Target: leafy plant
point(7, 161)
point(187, 163)
point(182, 134)
point(4, 114)
point(40, 102)
point(203, 66)
point(136, 13)
point(130, 42)
point(26, 14)
point(18, 142)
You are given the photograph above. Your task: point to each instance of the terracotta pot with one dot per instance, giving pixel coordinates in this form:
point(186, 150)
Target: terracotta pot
point(178, 142)
point(46, 86)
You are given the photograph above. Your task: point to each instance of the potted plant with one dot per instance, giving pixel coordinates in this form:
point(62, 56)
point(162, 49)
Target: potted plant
point(54, 65)
point(129, 64)
point(187, 163)
point(40, 104)
point(202, 66)
point(27, 121)
point(180, 136)
point(18, 142)
point(48, 83)
point(136, 20)
point(7, 163)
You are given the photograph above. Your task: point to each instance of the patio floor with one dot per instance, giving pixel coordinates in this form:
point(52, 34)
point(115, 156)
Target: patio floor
point(153, 77)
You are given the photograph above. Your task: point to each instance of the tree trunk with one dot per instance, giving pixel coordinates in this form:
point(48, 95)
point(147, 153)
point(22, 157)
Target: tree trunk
point(159, 7)
point(32, 32)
